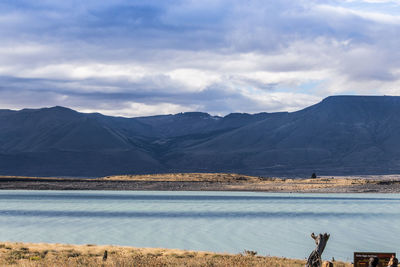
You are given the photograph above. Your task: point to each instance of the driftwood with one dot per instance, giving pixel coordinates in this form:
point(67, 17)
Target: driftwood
point(314, 260)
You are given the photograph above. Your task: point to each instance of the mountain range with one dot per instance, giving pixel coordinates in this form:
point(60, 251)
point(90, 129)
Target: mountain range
point(340, 135)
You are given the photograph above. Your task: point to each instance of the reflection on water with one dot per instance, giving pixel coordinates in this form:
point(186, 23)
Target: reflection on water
point(272, 224)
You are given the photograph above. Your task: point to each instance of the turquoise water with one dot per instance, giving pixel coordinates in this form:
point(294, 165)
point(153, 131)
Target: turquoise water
point(269, 223)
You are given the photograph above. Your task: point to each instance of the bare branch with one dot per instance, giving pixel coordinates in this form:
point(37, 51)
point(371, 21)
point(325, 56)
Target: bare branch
point(313, 236)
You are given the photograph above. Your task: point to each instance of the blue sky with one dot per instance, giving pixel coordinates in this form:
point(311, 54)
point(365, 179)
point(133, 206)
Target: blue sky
point(137, 58)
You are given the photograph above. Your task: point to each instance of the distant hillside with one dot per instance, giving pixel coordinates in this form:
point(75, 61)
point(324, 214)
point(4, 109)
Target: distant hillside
point(339, 135)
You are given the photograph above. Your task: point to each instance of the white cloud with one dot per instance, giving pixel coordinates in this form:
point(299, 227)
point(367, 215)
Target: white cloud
point(283, 101)
point(194, 79)
point(135, 109)
point(122, 58)
point(375, 1)
point(374, 16)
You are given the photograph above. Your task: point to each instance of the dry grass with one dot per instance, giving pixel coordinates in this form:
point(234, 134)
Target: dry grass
point(235, 182)
point(226, 181)
point(188, 177)
point(34, 255)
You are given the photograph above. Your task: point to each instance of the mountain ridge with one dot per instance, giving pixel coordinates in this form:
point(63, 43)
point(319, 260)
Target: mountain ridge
point(339, 135)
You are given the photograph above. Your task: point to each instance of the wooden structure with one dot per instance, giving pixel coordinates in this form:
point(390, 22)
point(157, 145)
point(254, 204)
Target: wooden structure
point(361, 259)
point(314, 260)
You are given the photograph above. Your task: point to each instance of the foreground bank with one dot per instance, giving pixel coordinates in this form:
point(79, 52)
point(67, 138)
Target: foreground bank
point(210, 182)
point(28, 254)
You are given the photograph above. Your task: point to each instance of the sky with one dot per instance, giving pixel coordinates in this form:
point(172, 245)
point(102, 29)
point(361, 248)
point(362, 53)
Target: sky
point(140, 58)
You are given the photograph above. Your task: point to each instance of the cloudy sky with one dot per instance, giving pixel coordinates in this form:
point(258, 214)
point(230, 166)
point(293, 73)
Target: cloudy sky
point(136, 58)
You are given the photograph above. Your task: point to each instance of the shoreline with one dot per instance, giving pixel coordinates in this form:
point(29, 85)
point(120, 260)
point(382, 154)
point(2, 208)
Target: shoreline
point(209, 182)
point(44, 254)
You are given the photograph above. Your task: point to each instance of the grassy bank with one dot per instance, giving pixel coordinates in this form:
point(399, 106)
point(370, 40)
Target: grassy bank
point(27, 254)
point(238, 182)
point(209, 182)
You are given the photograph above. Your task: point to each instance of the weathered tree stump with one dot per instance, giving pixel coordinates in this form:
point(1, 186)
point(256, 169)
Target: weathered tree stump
point(314, 260)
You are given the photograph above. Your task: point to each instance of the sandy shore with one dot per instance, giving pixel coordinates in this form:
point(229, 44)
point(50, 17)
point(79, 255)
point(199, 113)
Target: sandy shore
point(28, 254)
point(210, 182)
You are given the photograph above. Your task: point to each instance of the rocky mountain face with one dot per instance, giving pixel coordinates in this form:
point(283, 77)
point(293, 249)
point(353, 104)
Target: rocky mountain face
point(339, 135)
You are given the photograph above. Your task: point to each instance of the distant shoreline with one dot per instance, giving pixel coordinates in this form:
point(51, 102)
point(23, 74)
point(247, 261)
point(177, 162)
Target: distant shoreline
point(209, 182)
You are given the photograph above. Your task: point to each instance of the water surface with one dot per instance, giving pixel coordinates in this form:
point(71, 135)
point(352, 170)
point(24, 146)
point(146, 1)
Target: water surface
point(269, 223)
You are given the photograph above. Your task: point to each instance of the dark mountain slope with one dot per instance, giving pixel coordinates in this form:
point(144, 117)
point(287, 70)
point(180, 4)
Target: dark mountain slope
point(195, 123)
point(57, 128)
point(340, 135)
point(60, 141)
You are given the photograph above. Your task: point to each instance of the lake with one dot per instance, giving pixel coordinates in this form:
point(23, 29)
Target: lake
point(276, 224)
